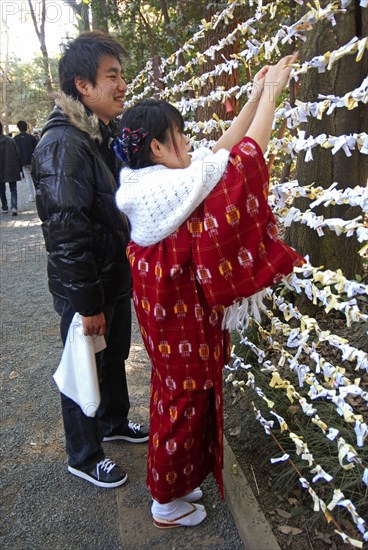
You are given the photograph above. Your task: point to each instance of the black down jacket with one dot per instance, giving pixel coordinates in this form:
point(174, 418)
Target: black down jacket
point(26, 145)
point(74, 172)
point(10, 166)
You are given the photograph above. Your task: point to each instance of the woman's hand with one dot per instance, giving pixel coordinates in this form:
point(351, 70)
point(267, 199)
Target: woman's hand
point(258, 84)
point(274, 81)
point(278, 75)
point(275, 78)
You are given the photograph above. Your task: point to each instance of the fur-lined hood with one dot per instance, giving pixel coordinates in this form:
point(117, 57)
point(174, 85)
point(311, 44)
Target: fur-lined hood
point(76, 114)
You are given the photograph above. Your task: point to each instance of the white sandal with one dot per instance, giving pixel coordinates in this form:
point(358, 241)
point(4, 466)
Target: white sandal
point(194, 516)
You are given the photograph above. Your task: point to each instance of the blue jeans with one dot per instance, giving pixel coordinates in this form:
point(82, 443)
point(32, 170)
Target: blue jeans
point(83, 433)
point(13, 195)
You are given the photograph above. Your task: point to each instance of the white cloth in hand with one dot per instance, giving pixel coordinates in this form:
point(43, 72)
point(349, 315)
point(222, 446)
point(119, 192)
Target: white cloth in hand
point(76, 375)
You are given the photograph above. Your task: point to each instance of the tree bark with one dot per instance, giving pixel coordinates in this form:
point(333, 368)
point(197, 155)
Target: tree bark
point(170, 31)
point(82, 11)
point(99, 15)
point(331, 251)
point(156, 59)
point(224, 110)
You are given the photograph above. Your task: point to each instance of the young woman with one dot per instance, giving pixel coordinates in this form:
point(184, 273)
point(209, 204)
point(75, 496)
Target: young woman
point(203, 238)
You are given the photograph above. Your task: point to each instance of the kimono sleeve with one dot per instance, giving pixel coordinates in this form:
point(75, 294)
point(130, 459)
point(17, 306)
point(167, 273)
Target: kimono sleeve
point(235, 244)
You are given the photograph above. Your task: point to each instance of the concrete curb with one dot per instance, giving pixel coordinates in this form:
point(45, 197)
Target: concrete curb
point(253, 528)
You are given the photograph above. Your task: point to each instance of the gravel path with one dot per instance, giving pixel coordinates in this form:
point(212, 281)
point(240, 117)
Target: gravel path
point(44, 507)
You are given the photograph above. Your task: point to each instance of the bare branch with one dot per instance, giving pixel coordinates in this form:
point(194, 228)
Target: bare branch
point(33, 15)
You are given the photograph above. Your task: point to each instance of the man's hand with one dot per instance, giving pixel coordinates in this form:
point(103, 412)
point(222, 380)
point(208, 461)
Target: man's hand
point(94, 325)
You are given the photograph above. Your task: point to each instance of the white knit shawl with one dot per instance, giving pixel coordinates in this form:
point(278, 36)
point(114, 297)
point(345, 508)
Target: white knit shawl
point(157, 199)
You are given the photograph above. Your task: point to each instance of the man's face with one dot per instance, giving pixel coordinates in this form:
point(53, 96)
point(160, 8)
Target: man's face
point(106, 98)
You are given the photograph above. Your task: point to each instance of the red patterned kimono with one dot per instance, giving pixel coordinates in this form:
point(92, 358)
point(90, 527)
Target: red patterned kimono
point(228, 249)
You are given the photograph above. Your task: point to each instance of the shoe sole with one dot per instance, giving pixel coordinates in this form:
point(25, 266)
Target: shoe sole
point(87, 477)
point(125, 438)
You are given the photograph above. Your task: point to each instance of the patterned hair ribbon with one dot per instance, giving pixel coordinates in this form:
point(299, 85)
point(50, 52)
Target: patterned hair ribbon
point(130, 142)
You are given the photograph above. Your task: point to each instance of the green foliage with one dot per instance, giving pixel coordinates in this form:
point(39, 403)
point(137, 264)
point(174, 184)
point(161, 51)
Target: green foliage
point(142, 29)
point(26, 91)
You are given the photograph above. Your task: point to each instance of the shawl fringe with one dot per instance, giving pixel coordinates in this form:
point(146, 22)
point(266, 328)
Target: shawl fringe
point(239, 313)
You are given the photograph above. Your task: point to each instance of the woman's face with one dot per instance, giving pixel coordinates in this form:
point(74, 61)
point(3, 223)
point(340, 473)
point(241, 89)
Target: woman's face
point(175, 154)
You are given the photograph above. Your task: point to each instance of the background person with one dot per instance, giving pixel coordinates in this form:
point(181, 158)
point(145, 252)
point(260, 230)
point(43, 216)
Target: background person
point(74, 172)
point(26, 145)
point(10, 171)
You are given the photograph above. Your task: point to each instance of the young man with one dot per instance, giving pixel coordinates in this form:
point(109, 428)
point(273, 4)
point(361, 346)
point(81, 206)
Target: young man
point(26, 145)
point(74, 172)
point(10, 169)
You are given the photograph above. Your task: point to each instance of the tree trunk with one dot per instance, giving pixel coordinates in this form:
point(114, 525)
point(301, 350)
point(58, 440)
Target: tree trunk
point(99, 15)
point(331, 251)
point(170, 31)
point(224, 110)
point(84, 21)
point(40, 31)
point(156, 59)
point(82, 11)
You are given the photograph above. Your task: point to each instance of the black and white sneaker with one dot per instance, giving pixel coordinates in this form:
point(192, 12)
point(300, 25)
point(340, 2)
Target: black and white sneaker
point(132, 433)
point(103, 474)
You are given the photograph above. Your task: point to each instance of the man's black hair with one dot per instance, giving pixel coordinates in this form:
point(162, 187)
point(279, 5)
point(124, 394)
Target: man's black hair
point(22, 126)
point(82, 58)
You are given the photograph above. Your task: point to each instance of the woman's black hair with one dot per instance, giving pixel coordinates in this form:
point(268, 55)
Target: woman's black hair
point(156, 117)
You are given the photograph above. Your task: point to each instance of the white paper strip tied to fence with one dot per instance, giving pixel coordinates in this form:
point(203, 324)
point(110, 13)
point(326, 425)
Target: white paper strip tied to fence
point(303, 110)
point(293, 115)
point(347, 455)
point(284, 193)
point(254, 48)
point(300, 144)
